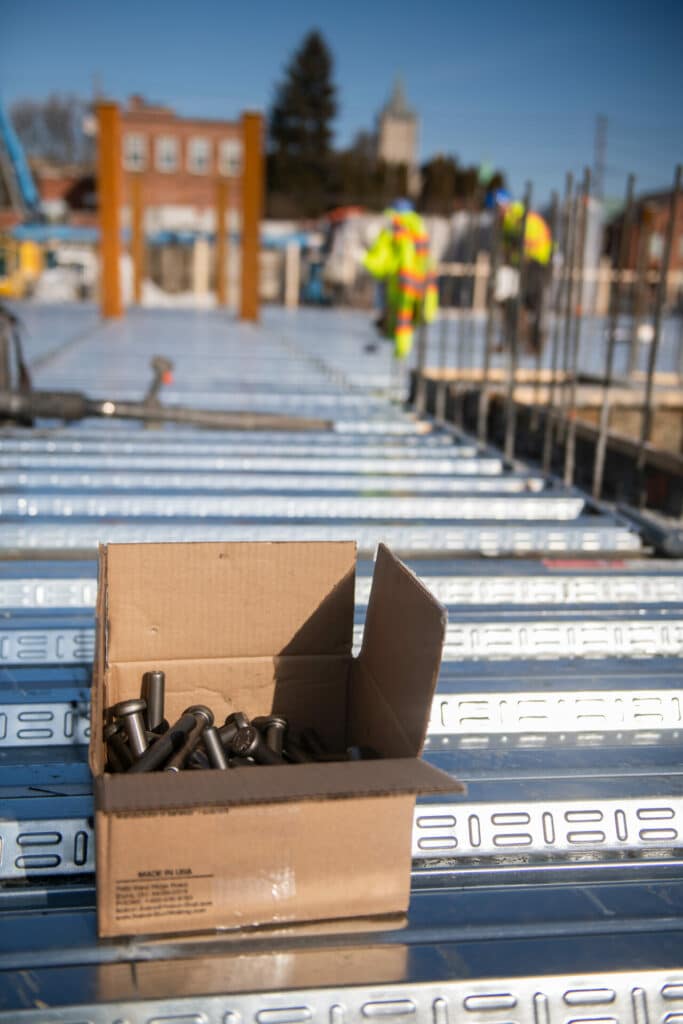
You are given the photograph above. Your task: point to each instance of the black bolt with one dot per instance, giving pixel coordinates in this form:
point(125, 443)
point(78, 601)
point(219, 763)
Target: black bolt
point(119, 756)
point(214, 748)
point(159, 752)
point(130, 714)
point(153, 687)
point(238, 719)
point(198, 759)
point(226, 733)
point(248, 742)
point(203, 717)
point(274, 730)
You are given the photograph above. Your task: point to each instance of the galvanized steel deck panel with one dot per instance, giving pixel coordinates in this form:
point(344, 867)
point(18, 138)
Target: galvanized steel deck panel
point(559, 699)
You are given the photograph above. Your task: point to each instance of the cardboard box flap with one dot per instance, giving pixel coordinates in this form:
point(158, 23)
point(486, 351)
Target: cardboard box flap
point(160, 791)
point(405, 628)
point(228, 600)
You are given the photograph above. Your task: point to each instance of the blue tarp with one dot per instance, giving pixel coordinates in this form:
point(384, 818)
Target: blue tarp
point(46, 233)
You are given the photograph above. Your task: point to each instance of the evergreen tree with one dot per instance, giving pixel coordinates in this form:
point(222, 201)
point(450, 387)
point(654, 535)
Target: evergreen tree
point(447, 185)
point(300, 130)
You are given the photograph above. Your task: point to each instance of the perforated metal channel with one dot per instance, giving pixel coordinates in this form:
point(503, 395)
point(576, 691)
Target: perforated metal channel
point(559, 830)
point(539, 538)
point(460, 590)
point(530, 719)
point(626, 638)
point(277, 507)
point(590, 711)
point(636, 997)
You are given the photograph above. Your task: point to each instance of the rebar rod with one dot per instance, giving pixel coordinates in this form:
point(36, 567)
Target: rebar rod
point(570, 444)
point(615, 304)
point(483, 408)
point(554, 231)
point(660, 301)
point(513, 340)
point(470, 260)
point(639, 298)
point(444, 325)
point(562, 285)
point(572, 244)
point(420, 385)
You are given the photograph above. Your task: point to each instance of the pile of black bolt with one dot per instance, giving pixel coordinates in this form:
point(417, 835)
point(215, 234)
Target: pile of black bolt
point(138, 738)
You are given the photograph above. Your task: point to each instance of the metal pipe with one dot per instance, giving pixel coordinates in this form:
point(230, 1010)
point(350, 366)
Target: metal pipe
point(73, 405)
point(562, 283)
point(615, 304)
point(483, 408)
point(570, 444)
point(660, 302)
point(110, 194)
point(513, 338)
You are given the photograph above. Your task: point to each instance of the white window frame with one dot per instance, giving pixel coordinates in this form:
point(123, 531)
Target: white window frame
point(135, 151)
point(230, 156)
point(165, 145)
point(193, 143)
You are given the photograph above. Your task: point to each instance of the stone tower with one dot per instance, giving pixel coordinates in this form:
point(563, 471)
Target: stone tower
point(397, 135)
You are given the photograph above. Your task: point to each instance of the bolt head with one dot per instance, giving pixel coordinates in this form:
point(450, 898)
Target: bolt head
point(129, 707)
point(265, 722)
point(238, 719)
point(244, 741)
point(200, 711)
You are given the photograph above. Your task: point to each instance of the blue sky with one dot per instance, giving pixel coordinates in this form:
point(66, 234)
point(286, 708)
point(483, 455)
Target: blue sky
point(519, 84)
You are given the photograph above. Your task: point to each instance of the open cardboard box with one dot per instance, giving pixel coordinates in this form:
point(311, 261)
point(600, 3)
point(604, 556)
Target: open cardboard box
point(260, 628)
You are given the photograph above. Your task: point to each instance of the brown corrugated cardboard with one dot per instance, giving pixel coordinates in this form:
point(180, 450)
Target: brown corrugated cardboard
point(261, 628)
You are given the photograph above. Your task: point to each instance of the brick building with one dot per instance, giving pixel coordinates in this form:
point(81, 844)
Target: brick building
point(179, 161)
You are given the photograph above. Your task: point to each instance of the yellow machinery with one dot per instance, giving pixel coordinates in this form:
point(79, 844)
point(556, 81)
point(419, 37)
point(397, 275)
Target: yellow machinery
point(21, 263)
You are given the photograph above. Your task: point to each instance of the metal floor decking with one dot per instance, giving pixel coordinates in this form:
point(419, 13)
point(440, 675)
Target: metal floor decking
point(552, 892)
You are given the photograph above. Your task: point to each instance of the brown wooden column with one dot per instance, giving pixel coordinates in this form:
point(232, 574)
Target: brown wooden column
point(137, 238)
point(252, 206)
point(109, 190)
point(221, 247)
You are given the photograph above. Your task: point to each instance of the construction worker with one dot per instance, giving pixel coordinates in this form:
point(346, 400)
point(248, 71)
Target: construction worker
point(538, 250)
point(399, 258)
